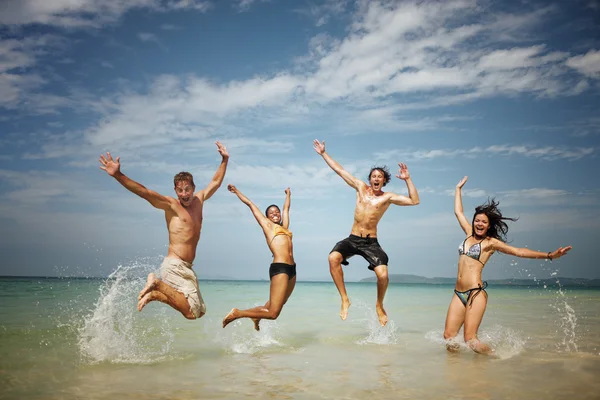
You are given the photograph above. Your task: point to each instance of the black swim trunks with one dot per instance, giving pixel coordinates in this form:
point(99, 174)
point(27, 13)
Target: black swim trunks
point(282, 268)
point(367, 247)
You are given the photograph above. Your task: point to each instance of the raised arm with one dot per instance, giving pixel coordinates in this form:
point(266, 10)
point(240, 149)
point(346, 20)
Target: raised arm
point(528, 253)
point(216, 181)
point(260, 218)
point(113, 168)
point(413, 195)
point(285, 218)
point(346, 176)
point(458, 208)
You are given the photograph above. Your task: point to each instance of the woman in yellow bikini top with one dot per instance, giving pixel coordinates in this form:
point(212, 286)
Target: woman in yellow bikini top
point(283, 269)
point(278, 229)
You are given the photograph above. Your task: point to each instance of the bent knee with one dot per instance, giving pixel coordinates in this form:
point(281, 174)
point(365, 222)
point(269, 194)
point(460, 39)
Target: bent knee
point(382, 276)
point(273, 314)
point(335, 259)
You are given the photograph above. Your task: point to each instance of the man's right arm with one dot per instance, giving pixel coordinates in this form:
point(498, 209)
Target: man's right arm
point(334, 165)
point(113, 168)
point(156, 199)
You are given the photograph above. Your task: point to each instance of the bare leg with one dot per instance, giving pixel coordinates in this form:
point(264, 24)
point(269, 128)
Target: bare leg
point(473, 316)
point(257, 320)
point(150, 283)
point(335, 268)
point(382, 284)
point(156, 289)
point(454, 320)
point(281, 289)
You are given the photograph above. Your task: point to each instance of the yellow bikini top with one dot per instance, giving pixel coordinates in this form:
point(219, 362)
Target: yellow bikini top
point(280, 230)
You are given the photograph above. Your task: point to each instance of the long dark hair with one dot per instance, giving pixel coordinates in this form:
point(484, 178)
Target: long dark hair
point(498, 228)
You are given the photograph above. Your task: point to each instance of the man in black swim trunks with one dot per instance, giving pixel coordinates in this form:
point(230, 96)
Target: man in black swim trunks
point(371, 204)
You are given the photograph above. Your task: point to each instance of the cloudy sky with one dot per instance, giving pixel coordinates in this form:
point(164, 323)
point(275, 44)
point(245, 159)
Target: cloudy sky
point(504, 92)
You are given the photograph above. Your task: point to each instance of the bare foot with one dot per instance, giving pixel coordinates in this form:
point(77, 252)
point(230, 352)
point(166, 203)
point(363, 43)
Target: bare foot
point(480, 348)
point(452, 347)
point(344, 310)
point(256, 322)
point(150, 284)
point(232, 316)
point(147, 298)
point(381, 314)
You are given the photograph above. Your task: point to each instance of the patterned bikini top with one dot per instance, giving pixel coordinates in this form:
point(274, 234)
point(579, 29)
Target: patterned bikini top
point(474, 251)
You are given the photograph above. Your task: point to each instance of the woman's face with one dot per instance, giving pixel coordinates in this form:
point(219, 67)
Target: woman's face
point(274, 214)
point(481, 224)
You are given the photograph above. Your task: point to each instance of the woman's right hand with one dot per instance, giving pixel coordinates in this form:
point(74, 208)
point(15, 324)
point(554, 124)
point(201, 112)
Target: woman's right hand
point(462, 182)
point(231, 188)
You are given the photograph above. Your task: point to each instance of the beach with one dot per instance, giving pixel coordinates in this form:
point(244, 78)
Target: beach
point(67, 338)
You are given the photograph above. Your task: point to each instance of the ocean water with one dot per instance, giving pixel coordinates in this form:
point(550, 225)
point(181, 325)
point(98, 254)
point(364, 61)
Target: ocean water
point(84, 339)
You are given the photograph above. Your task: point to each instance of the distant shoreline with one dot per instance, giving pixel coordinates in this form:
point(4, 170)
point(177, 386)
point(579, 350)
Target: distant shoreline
point(552, 281)
point(394, 279)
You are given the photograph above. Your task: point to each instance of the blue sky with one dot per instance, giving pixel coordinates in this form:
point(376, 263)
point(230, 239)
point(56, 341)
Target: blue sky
point(504, 92)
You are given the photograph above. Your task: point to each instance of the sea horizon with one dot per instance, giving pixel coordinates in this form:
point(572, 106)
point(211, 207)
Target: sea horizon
point(556, 281)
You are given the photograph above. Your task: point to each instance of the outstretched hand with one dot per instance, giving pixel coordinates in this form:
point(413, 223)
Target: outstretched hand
point(403, 172)
point(319, 147)
point(222, 149)
point(232, 188)
point(462, 182)
point(288, 191)
point(109, 165)
point(558, 253)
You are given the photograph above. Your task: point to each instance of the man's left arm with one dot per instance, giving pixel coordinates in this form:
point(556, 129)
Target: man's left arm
point(413, 195)
point(216, 181)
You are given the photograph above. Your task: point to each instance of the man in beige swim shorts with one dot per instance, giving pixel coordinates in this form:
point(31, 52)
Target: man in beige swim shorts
point(178, 286)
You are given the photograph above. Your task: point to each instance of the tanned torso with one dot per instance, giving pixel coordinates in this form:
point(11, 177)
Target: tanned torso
point(370, 207)
point(469, 270)
point(281, 247)
point(184, 224)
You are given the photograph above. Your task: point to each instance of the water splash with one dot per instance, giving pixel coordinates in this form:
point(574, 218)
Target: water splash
point(377, 334)
point(115, 331)
point(506, 342)
point(240, 336)
point(567, 321)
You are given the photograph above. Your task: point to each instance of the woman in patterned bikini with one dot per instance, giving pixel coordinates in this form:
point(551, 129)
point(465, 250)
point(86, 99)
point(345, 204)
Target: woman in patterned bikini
point(283, 269)
point(485, 235)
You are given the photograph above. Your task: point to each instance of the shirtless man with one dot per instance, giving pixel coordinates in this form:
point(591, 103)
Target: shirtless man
point(179, 284)
point(371, 204)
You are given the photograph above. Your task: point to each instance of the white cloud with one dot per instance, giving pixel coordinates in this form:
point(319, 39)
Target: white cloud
point(19, 82)
point(323, 12)
point(85, 13)
point(545, 153)
point(587, 64)
point(396, 57)
point(147, 37)
point(244, 5)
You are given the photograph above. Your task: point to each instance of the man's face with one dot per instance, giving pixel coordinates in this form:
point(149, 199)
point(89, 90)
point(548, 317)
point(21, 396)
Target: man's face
point(185, 192)
point(377, 179)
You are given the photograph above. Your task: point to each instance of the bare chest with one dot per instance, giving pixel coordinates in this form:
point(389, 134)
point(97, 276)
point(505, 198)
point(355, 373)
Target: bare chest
point(371, 204)
point(187, 220)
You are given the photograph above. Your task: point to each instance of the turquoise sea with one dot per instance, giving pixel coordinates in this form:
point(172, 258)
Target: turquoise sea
point(84, 339)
